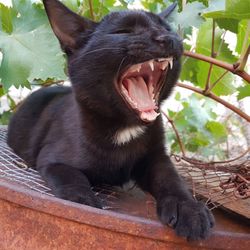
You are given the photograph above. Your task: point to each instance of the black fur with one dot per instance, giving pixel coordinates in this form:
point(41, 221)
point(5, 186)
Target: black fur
point(66, 133)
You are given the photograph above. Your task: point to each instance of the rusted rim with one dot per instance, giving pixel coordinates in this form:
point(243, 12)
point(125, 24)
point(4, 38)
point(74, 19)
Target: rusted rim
point(109, 220)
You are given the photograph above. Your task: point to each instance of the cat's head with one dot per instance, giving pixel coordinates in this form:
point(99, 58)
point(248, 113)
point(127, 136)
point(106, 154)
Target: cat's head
point(127, 63)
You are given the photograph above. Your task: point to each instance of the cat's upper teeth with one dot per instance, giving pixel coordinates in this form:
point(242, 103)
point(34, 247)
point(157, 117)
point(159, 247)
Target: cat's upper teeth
point(151, 64)
point(164, 62)
point(161, 59)
point(171, 63)
point(164, 65)
point(135, 68)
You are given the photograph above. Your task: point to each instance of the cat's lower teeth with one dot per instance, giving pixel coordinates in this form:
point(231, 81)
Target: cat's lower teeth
point(149, 116)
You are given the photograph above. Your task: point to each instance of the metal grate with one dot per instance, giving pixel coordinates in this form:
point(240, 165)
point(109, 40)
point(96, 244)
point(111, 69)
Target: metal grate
point(14, 168)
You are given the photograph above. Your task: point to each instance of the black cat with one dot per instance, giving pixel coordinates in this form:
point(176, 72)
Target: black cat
point(106, 128)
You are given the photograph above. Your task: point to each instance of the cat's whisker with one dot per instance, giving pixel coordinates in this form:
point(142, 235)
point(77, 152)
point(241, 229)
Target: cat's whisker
point(120, 65)
point(97, 50)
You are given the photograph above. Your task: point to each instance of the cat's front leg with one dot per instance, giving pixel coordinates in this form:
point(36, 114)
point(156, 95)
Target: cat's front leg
point(175, 205)
point(69, 183)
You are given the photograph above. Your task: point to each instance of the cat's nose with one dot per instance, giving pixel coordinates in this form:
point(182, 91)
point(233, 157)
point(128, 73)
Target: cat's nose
point(164, 41)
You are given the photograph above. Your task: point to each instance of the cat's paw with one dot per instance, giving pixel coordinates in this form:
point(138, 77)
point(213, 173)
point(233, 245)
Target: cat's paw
point(189, 218)
point(79, 194)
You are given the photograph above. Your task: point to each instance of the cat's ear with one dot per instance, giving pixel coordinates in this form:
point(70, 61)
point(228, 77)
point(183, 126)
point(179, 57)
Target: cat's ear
point(67, 25)
point(165, 13)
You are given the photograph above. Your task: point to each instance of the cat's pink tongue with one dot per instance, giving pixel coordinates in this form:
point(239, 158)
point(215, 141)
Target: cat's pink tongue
point(143, 97)
point(139, 93)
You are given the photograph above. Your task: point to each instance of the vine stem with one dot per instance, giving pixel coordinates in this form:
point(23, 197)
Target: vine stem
point(190, 160)
point(184, 3)
point(230, 67)
point(176, 133)
point(217, 99)
point(243, 60)
point(245, 50)
point(91, 10)
point(214, 84)
point(207, 86)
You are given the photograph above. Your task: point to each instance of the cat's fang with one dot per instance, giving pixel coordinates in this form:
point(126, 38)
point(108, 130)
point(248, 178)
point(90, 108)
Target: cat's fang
point(151, 64)
point(164, 62)
point(171, 63)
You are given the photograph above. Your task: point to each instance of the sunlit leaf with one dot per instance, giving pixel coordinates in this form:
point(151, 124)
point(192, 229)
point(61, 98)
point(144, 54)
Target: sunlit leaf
point(236, 9)
point(31, 50)
point(217, 129)
point(241, 35)
point(244, 91)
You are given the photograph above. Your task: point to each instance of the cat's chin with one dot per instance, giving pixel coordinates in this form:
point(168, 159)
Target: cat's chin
point(140, 86)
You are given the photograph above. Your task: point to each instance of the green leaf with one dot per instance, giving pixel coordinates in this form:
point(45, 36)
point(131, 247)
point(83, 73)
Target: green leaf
point(32, 49)
point(6, 18)
point(189, 70)
point(224, 87)
point(235, 9)
point(2, 92)
point(217, 129)
point(154, 6)
point(5, 117)
point(197, 140)
point(239, 8)
point(194, 114)
point(1, 57)
point(228, 15)
point(171, 113)
point(224, 23)
point(241, 35)
point(72, 4)
point(244, 91)
point(228, 24)
point(12, 103)
point(20, 21)
point(204, 43)
point(178, 96)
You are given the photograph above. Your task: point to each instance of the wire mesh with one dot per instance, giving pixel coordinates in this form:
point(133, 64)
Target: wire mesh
point(225, 183)
point(14, 168)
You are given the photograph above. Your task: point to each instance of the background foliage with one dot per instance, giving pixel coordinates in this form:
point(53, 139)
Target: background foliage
point(30, 56)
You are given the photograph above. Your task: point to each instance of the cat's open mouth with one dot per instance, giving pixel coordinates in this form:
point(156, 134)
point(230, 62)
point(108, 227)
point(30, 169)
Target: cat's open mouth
point(140, 86)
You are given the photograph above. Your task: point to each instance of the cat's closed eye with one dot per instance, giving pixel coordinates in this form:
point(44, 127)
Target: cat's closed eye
point(122, 31)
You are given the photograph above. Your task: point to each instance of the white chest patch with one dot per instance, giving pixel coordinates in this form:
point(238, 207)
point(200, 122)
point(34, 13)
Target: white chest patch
point(125, 135)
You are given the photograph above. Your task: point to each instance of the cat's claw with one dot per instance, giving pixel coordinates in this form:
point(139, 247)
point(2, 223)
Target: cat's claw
point(190, 219)
point(78, 194)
